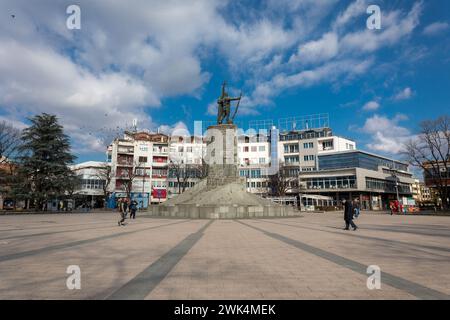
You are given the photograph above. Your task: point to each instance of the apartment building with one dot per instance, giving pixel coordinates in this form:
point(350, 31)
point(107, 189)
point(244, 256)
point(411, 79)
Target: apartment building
point(254, 161)
point(139, 163)
point(186, 163)
point(421, 193)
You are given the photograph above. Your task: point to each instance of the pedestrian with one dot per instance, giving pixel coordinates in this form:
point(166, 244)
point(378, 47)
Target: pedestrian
point(348, 215)
point(357, 208)
point(133, 208)
point(298, 201)
point(121, 211)
point(125, 207)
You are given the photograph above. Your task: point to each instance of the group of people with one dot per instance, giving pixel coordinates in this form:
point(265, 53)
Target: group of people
point(126, 206)
point(351, 210)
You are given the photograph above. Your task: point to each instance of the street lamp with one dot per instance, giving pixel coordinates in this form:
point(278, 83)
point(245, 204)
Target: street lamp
point(394, 175)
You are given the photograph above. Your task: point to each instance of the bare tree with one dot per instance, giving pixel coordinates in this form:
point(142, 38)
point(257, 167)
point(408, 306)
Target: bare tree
point(183, 172)
point(10, 140)
point(282, 181)
point(430, 151)
point(105, 173)
point(129, 177)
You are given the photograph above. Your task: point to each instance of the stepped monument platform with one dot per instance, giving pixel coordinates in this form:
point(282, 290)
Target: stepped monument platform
point(222, 194)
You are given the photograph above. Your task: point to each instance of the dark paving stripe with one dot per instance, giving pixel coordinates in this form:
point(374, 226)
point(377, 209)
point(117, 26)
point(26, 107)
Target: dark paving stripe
point(78, 243)
point(140, 286)
point(54, 226)
point(403, 229)
point(410, 287)
point(358, 235)
point(111, 225)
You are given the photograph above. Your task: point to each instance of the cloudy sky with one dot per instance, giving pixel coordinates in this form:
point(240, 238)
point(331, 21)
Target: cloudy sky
point(162, 62)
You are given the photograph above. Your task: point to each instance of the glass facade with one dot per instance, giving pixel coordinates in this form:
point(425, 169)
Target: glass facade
point(344, 182)
point(255, 173)
point(357, 160)
point(92, 184)
point(386, 186)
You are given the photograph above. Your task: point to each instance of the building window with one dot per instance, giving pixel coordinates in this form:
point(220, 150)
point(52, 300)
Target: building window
point(327, 145)
point(254, 149)
point(262, 148)
point(142, 159)
point(245, 149)
point(291, 148)
point(291, 159)
point(262, 160)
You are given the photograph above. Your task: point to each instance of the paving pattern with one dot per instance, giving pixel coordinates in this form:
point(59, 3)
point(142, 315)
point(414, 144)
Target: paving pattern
point(308, 257)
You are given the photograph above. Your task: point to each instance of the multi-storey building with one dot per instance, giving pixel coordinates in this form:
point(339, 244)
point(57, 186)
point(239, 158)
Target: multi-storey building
point(93, 179)
point(301, 148)
point(437, 178)
point(186, 163)
point(421, 193)
point(373, 179)
point(139, 163)
point(254, 161)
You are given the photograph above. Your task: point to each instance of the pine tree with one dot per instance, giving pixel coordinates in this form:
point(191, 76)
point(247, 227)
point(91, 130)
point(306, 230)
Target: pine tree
point(44, 163)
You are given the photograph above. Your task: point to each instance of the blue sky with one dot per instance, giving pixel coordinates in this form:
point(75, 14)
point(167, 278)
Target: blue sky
point(163, 62)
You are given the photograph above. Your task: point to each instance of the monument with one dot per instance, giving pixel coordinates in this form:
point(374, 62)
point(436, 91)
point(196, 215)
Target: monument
point(222, 194)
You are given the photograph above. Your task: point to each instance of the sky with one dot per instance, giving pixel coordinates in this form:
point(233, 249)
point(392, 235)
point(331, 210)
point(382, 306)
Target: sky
point(162, 63)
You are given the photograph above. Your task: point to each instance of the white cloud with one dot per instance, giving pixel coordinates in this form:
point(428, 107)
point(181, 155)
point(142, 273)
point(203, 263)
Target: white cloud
point(355, 9)
point(327, 73)
point(404, 94)
point(371, 106)
point(395, 26)
point(387, 135)
point(318, 50)
point(435, 28)
point(129, 56)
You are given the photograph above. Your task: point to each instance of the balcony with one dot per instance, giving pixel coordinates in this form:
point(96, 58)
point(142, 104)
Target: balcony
point(164, 151)
point(125, 150)
point(125, 163)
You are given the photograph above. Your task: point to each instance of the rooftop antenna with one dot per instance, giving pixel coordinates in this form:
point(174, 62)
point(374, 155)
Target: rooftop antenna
point(135, 125)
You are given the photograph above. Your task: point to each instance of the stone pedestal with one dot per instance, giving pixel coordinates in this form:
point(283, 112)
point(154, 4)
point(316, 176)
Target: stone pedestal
point(221, 154)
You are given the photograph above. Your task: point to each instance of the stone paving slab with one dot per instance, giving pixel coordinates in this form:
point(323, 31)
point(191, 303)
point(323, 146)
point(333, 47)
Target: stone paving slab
point(310, 257)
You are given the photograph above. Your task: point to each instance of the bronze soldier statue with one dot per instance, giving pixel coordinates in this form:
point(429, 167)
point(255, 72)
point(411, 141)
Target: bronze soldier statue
point(224, 106)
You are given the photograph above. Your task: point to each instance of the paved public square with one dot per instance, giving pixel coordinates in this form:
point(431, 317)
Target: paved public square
point(309, 257)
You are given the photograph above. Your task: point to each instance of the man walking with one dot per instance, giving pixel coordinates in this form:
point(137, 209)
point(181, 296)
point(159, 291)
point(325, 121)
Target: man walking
point(133, 208)
point(122, 209)
point(297, 199)
point(348, 215)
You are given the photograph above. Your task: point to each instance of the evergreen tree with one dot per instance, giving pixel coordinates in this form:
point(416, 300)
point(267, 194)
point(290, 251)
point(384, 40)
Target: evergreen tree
point(44, 163)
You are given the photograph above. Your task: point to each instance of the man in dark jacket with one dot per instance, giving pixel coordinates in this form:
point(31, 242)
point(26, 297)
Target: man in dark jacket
point(133, 209)
point(348, 215)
